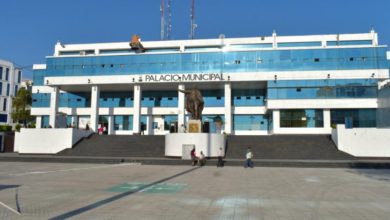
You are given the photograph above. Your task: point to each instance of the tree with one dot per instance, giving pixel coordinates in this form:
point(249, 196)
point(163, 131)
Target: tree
point(21, 105)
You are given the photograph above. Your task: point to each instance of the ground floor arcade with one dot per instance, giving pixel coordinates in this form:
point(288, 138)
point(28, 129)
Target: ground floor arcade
point(157, 109)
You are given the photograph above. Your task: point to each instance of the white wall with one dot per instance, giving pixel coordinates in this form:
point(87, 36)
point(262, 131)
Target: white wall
point(12, 81)
point(213, 42)
point(47, 141)
point(362, 142)
point(232, 76)
point(208, 143)
point(322, 103)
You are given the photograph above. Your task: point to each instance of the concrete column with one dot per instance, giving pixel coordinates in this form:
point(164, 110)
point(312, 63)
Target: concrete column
point(276, 121)
point(228, 108)
point(38, 122)
point(181, 110)
point(374, 37)
point(110, 125)
point(149, 125)
point(323, 43)
point(274, 42)
point(94, 120)
point(327, 119)
point(74, 121)
point(137, 109)
point(54, 96)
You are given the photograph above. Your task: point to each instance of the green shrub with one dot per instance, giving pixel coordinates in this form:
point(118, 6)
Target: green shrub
point(17, 127)
point(4, 128)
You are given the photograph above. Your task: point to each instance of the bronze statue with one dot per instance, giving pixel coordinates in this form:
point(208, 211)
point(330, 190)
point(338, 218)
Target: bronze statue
point(194, 102)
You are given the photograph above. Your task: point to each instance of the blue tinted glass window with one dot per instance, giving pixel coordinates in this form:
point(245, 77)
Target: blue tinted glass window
point(69, 120)
point(250, 122)
point(224, 61)
point(116, 99)
point(45, 121)
point(1, 72)
point(6, 73)
point(248, 97)
point(311, 89)
point(8, 88)
point(123, 122)
point(208, 48)
point(144, 123)
point(5, 105)
point(249, 46)
point(213, 98)
point(352, 42)
point(299, 44)
point(170, 120)
point(41, 100)
point(301, 118)
point(215, 122)
point(360, 117)
point(70, 52)
point(19, 76)
point(115, 51)
point(38, 76)
point(159, 99)
point(75, 100)
point(3, 118)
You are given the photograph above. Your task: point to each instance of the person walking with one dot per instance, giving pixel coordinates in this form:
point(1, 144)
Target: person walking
point(249, 157)
point(220, 156)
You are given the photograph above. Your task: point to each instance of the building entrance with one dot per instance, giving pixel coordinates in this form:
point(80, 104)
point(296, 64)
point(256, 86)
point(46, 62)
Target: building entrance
point(158, 125)
point(103, 123)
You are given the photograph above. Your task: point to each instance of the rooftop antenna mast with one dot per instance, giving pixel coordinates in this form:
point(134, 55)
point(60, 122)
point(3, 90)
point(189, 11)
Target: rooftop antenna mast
point(192, 16)
point(169, 25)
point(162, 34)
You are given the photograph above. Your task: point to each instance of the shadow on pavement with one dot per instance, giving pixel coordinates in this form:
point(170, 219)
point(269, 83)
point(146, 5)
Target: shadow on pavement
point(378, 174)
point(2, 187)
point(116, 197)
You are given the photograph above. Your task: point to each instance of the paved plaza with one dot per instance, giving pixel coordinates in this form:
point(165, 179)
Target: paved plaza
point(135, 191)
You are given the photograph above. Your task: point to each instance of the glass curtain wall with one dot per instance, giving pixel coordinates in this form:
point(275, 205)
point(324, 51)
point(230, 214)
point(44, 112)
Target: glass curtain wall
point(301, 118)
point(359, 117)
point(123, 122)
point(250, 122)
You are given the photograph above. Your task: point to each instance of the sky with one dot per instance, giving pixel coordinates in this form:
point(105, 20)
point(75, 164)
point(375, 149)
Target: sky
point(29, 29)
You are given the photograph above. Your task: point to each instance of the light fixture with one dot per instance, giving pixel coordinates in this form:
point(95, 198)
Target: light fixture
point(328, 76)
point(373, 75)
point(89, 81)
point(47, 82)
point(275, 77)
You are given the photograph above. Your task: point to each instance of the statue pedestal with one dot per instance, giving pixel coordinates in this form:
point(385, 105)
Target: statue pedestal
point(194, 126)
point(177, 144)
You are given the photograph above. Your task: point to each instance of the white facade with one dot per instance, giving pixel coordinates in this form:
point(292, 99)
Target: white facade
point(227, 81)
point(10, 78)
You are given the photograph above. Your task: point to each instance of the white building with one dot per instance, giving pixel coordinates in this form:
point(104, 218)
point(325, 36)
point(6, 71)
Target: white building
point(10, 79)
point(260, 85)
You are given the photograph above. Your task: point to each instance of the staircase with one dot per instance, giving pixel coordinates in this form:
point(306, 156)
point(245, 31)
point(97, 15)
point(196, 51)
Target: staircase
point(118, 146)
point(280, 147)
point(288, 147)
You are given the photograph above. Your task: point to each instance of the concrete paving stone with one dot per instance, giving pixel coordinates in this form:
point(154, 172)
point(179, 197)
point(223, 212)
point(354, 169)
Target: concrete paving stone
point(47, 190)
